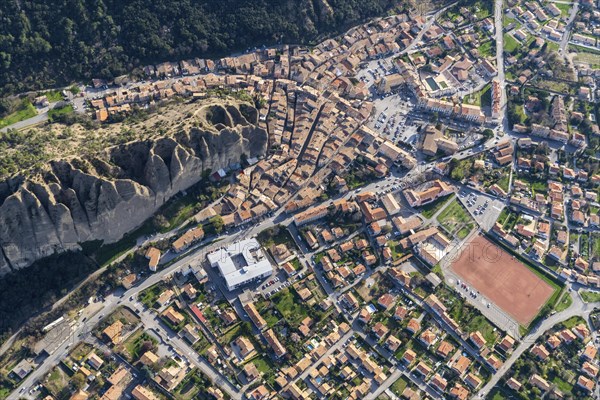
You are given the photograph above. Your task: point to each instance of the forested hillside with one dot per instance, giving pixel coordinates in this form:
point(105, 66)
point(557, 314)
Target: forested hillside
point(51, 42)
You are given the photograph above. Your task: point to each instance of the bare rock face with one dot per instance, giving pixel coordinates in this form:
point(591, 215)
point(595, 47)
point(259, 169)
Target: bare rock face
point(104, 197)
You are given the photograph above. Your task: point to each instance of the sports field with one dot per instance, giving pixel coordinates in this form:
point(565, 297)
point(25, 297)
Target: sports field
point(503, 279)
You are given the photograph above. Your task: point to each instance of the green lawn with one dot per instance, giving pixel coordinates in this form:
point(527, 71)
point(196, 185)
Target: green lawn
point(55, 112)
point(564, 303)
point(456, 220)
point(510, 43)
point(134, 343)
point(564, 8)
point(553, 46)
point(572, 322)
point(53, 96)
point(264, 365)
point(504, 182)
point(592, 59)
point(506, 21)
point(430, 209)
point(240, 329)
point(487, 49)
point(290, 307)
point(396, 249)
point(480, 98)
point(275, 236)
point(149, 296)
point(399, 386)
point(563, 386)
point(25, 111)
point(590, 297)
point(56, 381)
point(596, 246)
point(481, 324)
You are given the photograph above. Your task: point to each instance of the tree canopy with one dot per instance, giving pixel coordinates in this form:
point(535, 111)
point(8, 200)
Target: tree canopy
point(53, 42)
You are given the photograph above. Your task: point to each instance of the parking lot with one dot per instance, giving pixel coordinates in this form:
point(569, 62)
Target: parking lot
point(279, 280)
point(491, 311)
point(483, 208)
point(391, 118)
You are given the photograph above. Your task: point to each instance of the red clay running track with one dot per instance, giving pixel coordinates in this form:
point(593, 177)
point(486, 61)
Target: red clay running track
point(503, 279)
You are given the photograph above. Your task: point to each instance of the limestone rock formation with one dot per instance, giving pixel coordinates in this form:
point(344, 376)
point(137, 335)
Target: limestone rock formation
point(104, 197)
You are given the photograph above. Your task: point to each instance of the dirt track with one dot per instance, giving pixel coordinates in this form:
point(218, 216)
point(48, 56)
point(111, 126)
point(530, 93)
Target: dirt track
point(503, 279)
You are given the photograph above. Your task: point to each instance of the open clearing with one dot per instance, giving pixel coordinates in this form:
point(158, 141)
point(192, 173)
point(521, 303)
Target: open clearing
point(503, 279)
point(456, 220)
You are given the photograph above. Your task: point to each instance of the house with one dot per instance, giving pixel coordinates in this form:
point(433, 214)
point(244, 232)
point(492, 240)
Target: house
point(459, 392)
point(251, 372)
point(128, 281)
point(585, 383)
point(379, 330)
point(149, 358)
point(494, 362)
point(113, 332)
point(254, 316)
point(589, 352)
point(473, 380)
point(81, 395)
point(190, 291)
point(392, 343)
point(413, 326)
point(260, 393)
point(460, 365)
point(400, 313)
point(506, 344)
point(477, 339)
point(539, 382)
point(444, 349)
point(153, 256)
point(427, 337)
point(581, 331)
point(540, 351)
point(142, 393)
point(422, 369)
point(409, 357)
point(419, 198)
point(589, 369)
point(94, 361)
point(276, 346)
point(439, 382)
point(22, 369)
point(187, 239)
point(165, 297)
point(189, 333)
point(514, 384)
point(386, 301)
point(173, 316)
point(567, 336)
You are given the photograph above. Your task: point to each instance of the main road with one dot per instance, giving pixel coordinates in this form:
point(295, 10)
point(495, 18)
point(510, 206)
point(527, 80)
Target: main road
point(114, 300)
point(578, 308)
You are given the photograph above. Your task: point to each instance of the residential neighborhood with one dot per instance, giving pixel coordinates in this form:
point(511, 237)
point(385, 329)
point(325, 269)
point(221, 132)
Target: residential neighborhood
point(424, 224)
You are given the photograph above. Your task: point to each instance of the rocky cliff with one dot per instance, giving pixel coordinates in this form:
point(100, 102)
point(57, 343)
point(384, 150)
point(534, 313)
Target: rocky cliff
point(105, 196)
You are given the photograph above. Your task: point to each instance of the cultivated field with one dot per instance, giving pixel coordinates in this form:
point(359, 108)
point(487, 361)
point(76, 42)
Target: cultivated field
point(503, 279)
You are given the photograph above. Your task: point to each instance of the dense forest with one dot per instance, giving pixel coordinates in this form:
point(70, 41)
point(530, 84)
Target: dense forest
point(53, 42)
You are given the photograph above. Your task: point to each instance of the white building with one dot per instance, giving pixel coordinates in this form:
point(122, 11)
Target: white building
point(241, 263)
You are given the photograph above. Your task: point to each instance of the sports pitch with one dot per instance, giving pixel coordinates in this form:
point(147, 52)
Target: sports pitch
point(503, 279)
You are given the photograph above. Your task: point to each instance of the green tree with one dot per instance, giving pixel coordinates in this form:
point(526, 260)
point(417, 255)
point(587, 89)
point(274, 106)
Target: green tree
point(217, 224)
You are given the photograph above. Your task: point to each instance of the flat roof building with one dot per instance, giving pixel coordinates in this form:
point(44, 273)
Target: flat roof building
point(241, 263)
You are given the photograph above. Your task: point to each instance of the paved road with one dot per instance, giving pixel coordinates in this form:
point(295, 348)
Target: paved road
point(151, 320)
point(578, 308)
point(42, 116)
point(564, 42)
point(498, 14)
